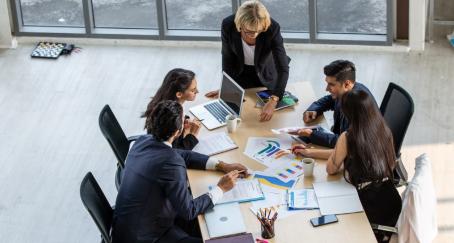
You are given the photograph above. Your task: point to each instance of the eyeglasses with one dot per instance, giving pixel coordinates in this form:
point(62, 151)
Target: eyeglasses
point(250, 32)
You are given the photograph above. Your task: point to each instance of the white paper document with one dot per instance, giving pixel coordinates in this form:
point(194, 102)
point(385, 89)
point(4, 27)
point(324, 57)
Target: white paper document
point(244, 191)
point(337, 197)
point(269, 151)
point(274, 198)
point(214, 144)
point(301, 199)
point(288, 171)
point(286, 130)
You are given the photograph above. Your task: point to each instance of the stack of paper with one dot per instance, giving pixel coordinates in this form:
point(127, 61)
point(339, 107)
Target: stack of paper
point(214, 144)
point(243, 191)
point(337, 197)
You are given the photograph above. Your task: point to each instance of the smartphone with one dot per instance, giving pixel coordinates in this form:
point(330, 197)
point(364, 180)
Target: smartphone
point(325, 219)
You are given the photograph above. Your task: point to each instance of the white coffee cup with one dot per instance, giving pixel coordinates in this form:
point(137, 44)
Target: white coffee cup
point(232, 123)
point(308, 166)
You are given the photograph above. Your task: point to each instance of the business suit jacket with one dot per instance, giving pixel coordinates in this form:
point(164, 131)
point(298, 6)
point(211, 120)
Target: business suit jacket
point(341, 124)
point(270, 60)
point(154, 191)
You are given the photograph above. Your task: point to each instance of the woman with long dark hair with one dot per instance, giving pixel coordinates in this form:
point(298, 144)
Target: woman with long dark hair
point(179, 85)
point(365, 153)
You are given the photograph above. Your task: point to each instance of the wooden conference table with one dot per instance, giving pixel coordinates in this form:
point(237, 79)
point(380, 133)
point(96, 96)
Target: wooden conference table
point(296, 228)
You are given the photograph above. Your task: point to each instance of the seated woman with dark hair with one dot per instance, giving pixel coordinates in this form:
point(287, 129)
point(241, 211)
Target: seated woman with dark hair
point(365, 154)
point(179, 85)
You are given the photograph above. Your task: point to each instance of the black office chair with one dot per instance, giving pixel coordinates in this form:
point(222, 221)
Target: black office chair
point(116, 138)
point(397, 108)
point(382, 204)
point(97, 206)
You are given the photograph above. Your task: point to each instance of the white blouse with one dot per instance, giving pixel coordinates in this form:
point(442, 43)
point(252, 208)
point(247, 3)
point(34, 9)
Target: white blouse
point(248, 53)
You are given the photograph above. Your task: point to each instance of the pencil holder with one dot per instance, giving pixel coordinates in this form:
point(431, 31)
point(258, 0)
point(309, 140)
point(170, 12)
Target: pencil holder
point(268, 230)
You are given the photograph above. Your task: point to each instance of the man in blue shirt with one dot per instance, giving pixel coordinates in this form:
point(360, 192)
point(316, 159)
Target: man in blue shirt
point(340, 78)
point(154, 203)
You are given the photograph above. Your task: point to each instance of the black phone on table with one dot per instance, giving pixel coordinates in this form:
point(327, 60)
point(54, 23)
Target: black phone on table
point(322, 220)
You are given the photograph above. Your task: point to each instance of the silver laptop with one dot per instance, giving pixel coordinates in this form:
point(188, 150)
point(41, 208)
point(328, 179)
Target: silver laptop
point(225, 219)
point(230, 102)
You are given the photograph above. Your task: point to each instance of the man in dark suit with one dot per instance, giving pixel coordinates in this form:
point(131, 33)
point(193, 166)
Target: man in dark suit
point(253, 53)
point(154, 203)
point(340, 78)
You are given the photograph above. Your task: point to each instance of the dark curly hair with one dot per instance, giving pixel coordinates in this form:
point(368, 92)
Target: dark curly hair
point(176, 80)
point(342, 70)
point(165, 119)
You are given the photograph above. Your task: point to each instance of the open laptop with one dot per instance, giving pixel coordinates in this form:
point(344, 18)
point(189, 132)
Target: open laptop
point(225, 219)
point(230, 102)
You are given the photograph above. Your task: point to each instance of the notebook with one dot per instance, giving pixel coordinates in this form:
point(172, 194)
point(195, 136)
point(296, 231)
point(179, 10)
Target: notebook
point(288, 99)
point(337, 197)
point(215, 143)
point(243, 238)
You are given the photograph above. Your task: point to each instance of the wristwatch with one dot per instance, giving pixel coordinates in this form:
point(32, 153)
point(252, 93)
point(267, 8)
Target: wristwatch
point(275, 98)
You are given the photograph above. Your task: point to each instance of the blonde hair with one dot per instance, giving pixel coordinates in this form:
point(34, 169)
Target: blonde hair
point(252, 13)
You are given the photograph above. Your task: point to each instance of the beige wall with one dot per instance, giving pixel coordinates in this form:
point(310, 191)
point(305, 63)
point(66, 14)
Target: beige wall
point(5, 26)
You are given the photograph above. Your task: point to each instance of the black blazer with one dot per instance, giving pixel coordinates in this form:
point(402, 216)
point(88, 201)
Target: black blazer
point(270, 60)
point(154, 191)
point(187, 142)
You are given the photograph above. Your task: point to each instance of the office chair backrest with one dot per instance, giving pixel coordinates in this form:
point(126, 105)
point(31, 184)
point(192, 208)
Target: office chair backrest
point(114, 134)
point(397, 108)
point(382, 204)
point(97, 205)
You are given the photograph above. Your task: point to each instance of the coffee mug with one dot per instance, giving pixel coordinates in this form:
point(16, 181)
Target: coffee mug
point(232, 123)
point(308, 166)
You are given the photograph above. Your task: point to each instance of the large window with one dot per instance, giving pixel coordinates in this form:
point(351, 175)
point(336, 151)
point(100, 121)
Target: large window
point(292, 15)
point(196, 14)
point(310, 21)
point(125, 14)
point(351, 16)
point(66, 13)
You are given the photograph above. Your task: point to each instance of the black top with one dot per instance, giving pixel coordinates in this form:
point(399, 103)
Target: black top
point(340, 121)
point(187, 142)
point(154, 191)
point(270, 60)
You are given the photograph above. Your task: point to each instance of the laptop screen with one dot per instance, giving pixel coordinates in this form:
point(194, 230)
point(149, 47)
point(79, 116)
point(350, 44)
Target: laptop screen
point(231, 94)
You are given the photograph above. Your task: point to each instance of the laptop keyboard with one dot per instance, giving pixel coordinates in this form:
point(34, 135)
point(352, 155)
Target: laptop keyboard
point(217, 111)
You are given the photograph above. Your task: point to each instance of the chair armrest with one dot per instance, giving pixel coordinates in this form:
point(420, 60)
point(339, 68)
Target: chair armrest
point(133, 138)
point(384, 228)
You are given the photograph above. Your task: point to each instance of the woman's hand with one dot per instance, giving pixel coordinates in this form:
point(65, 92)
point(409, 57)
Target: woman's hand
point(268, 110)
point(301, 149)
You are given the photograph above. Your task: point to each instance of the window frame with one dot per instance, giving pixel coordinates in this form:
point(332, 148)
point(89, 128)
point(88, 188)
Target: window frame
point(163, 33)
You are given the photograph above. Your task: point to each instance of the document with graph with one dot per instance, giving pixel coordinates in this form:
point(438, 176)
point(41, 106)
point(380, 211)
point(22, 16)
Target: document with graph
point(272, 152)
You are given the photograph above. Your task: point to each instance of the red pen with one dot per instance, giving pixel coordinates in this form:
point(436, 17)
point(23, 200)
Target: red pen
point(298, 147)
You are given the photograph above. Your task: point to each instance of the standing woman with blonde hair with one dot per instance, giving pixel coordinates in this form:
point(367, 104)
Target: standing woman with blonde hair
point(253, 53)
